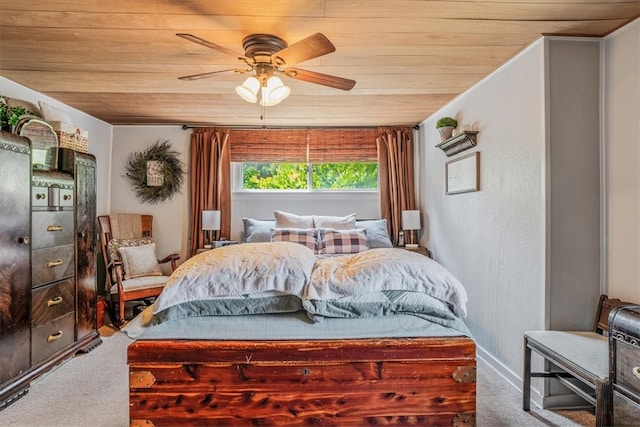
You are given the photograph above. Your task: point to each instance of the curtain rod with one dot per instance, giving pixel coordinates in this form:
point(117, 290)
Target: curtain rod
point(185, 127)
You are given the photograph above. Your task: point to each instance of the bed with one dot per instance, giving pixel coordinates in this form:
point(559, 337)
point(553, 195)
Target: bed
point(275, 334)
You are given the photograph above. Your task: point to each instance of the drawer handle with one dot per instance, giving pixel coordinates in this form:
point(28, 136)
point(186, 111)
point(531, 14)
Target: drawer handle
point(54, 228)
point(54, 337)
point(66, 197)
point(636, 372)
point(54, 301)
point(40, 196)
point(54, 263)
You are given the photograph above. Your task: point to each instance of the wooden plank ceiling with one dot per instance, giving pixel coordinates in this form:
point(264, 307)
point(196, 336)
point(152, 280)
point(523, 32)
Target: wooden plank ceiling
point(118, 60)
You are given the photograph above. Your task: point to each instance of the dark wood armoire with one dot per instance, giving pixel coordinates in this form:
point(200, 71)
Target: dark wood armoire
point(48, 292)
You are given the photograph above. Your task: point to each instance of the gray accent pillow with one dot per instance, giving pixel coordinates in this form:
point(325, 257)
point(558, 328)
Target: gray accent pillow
point(377, 233)
point(256, 231)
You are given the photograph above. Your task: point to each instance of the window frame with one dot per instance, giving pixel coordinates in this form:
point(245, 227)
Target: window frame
point(237, 181)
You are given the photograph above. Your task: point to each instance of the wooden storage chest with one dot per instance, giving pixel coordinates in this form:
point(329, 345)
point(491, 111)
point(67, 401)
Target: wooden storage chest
point(354, 382)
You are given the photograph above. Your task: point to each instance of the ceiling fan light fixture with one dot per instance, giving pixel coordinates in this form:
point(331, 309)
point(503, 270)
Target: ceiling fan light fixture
point(274, 92)
point(249, 89)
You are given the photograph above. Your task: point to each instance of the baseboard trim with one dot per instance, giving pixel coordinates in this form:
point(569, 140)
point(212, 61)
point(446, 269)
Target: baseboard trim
point(511, 377)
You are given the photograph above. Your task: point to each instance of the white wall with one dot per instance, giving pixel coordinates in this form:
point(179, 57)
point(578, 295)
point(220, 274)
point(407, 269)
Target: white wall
point(493, 239)
point(170, 217)
point(497, 240)
point(622, 142)
point(99, 135)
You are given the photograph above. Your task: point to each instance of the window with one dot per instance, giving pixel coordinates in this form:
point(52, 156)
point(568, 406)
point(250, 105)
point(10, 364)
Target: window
point(305, 159)
point(308, 176)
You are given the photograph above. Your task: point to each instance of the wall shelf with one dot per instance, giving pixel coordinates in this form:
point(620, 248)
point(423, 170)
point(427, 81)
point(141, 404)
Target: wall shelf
point(460, 142)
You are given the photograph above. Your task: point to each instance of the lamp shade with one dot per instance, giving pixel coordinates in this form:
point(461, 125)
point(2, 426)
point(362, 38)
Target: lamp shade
point(411, 220)
point(249, 89)
point(274, 92)
point(211, 220)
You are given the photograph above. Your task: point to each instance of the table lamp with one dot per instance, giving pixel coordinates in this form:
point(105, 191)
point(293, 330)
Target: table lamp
point(411, 222)
point(210, 222)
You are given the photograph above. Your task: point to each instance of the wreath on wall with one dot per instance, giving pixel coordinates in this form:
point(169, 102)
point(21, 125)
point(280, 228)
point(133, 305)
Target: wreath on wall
point(155, 174)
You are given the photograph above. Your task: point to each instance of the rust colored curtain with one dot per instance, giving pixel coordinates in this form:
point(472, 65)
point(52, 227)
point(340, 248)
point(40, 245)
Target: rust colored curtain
point(210, 169)
point(395, 170)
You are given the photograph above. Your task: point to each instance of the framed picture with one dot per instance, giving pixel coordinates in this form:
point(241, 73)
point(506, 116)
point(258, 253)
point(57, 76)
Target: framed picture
point(462, 175)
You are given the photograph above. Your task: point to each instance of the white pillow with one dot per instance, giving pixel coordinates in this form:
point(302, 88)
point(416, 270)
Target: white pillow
point(289, 220)
point(335, 222)
point(53, 114)
point(140, 261)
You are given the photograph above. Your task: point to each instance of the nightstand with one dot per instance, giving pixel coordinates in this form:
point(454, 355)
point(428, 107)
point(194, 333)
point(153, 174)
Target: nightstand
point(420, 249)
point(216, 244)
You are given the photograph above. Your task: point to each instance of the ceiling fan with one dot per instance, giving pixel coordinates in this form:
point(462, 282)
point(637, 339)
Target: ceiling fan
point(269, 55)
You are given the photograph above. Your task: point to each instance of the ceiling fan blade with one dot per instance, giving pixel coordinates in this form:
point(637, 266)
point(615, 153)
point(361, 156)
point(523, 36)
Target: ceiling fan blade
point(210, 45)
point(211, 74)
point(319, 78)
point(309, 48)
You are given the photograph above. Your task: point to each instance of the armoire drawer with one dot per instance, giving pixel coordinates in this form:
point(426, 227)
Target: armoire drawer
point(42, 197)
point(51, 228)
point(52, 264)
point(52, 337)
point(52, 301)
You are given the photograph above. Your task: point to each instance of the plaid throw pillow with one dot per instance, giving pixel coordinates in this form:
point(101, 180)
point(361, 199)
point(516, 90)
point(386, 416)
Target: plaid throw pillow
point(305, 237)
point(343, 241)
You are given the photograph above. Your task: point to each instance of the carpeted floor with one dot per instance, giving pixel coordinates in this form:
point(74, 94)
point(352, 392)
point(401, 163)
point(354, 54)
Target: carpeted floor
point(92, 390)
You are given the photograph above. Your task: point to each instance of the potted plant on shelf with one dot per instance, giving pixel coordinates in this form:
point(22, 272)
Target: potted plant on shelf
point(445, 126)
point(9, 116)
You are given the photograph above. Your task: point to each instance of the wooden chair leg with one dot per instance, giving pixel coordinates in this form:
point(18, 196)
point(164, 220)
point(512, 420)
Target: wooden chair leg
point(526, 377)
point(111, 309)
point(120, 311)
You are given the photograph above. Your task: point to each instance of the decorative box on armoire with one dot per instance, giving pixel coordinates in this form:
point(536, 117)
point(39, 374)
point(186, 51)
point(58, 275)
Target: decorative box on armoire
point(48, 285)
point(624, 365)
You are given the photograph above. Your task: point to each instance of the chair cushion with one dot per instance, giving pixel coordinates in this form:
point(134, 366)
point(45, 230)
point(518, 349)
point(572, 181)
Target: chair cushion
point(586, 349)
point(138, 283)
point(140, 261)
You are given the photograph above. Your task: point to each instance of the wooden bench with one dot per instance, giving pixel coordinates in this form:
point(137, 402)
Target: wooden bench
point(583, 355)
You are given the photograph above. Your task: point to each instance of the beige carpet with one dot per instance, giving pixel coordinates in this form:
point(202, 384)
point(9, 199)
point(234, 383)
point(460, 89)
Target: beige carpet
point(92, 390)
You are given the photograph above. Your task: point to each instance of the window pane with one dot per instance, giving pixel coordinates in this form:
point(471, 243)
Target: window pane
point(340, 176)
point(274, 176)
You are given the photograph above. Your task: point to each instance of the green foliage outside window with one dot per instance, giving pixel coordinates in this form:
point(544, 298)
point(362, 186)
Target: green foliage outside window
point(325, 176)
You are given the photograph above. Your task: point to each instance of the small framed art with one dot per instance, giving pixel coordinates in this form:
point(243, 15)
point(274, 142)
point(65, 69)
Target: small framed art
point(462, 175)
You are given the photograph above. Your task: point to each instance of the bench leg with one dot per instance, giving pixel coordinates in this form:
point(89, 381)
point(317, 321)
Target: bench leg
point(526, 378)
point(603, 396)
